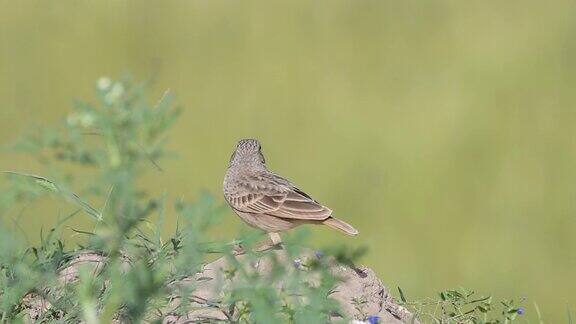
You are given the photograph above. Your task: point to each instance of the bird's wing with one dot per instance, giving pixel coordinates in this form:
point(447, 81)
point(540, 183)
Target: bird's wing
point(275, 196)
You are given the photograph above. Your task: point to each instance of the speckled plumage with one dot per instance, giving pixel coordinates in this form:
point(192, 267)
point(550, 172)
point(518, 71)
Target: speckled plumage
point(268, 201)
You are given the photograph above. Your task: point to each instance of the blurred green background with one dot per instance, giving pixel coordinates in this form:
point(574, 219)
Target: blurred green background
point(443, 130)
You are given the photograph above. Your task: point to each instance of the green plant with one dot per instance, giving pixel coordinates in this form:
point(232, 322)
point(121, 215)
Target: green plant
point(126, 268)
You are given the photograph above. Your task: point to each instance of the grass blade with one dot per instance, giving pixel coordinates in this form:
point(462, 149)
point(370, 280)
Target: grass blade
point(67, 194)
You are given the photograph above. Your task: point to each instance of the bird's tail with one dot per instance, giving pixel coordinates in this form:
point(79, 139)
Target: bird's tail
point(342, 226)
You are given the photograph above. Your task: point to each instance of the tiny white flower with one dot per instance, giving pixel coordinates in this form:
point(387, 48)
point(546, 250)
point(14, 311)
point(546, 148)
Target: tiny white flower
point(86, 120)
point(103, 83)
point(115, 93)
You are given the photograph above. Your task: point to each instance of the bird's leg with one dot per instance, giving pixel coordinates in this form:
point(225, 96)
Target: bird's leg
point(275, 238)
point(275, 241)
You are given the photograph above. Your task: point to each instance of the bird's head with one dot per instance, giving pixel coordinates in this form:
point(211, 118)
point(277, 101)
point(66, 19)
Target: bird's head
point(248, 152)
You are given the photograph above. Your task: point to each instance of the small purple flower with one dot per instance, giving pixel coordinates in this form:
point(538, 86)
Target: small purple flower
point(520, 311)
point(373, 319)
point(319, 254)
point(297, 263)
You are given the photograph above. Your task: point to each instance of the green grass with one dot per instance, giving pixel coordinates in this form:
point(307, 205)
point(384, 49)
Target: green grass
point(464, 306)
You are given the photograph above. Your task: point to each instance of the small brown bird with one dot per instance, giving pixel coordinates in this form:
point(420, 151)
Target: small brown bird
point(267, 201)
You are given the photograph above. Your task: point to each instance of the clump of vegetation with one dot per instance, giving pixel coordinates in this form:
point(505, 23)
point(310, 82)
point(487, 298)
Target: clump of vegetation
point(133, 266)
point(463, 306)
point(128, 271)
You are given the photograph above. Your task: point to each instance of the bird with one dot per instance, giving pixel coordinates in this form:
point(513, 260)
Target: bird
point(269, 202)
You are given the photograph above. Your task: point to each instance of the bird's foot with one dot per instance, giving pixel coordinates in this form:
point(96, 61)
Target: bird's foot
point(266, 245)
point(273, 243)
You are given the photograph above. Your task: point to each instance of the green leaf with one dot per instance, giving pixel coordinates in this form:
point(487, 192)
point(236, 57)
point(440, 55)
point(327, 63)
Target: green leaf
point(53, 187)
point(402, 296)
